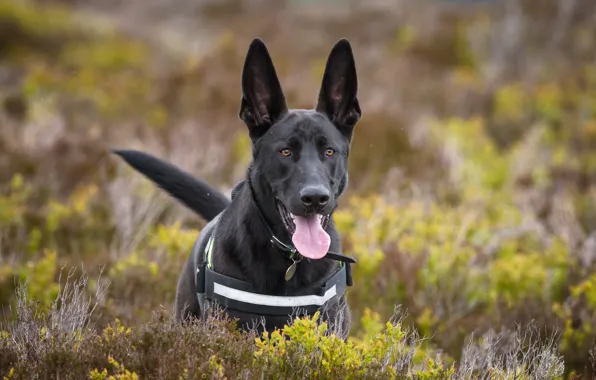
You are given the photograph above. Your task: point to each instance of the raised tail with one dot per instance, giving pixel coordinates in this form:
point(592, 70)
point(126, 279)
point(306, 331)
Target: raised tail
point(192, 192)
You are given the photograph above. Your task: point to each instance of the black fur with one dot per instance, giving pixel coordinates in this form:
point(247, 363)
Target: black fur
point(193, 193)
point(299, 161)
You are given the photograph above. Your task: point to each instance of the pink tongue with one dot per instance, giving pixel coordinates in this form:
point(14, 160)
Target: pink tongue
point(310, 238)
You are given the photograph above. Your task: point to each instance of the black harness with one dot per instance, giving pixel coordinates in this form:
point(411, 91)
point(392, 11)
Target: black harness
point(241, 296)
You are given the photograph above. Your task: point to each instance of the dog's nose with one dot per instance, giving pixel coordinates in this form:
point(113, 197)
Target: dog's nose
point(314, 197)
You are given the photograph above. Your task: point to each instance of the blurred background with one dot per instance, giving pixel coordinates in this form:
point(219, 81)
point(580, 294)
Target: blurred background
point(472, 196)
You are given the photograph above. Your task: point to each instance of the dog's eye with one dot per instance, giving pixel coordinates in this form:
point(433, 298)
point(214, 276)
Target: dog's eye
point(285, 152)
point(330, 152)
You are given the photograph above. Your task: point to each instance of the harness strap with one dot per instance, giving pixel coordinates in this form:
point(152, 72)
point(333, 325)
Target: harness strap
point(204, 258)
point(209, 251)
point(241, 295)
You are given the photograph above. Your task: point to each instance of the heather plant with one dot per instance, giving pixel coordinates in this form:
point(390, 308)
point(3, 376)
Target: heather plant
point(61, 342)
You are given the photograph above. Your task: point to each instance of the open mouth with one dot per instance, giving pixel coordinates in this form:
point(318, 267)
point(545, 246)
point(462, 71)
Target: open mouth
point(308, 232)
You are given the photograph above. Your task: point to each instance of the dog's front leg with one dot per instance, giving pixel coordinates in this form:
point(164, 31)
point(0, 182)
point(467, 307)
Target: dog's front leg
point(187, 304)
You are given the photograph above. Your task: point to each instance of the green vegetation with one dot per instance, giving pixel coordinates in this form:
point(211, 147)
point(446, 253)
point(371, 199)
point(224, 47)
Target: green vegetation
point(48, 345)
point(472, 200)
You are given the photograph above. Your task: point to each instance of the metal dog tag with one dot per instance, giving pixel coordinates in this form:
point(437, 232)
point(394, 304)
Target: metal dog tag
point(291, 270)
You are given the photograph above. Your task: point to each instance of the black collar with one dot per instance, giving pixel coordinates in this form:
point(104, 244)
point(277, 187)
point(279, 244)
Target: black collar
point(288, 250)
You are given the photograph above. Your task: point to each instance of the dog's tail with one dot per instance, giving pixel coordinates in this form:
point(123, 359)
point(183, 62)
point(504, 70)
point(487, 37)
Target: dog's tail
point(192, 192)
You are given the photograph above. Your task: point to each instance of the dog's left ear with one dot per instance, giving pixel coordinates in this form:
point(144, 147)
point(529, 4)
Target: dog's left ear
point(338, 95)
point(263, 101)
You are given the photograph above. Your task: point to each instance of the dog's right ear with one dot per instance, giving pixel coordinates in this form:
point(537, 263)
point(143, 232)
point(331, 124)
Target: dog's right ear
point(263, 101)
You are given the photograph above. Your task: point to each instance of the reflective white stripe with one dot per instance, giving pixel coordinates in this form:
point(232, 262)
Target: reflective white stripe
point(209, 250)
point(265, 300)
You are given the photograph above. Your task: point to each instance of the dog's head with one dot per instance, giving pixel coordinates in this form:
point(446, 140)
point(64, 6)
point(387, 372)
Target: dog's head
point(301, 156)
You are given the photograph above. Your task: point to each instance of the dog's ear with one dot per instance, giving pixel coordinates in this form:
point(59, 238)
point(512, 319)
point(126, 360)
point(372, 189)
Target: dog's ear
point(263, 101)
point(338, 95)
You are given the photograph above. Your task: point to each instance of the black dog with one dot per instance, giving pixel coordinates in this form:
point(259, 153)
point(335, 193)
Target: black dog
point(243, 259)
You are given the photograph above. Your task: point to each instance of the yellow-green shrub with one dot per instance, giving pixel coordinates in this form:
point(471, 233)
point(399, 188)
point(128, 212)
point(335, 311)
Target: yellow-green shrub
point(40, 276)
point(443, 262)
point(153, 267)
point(121, 373)
point(307, 347)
